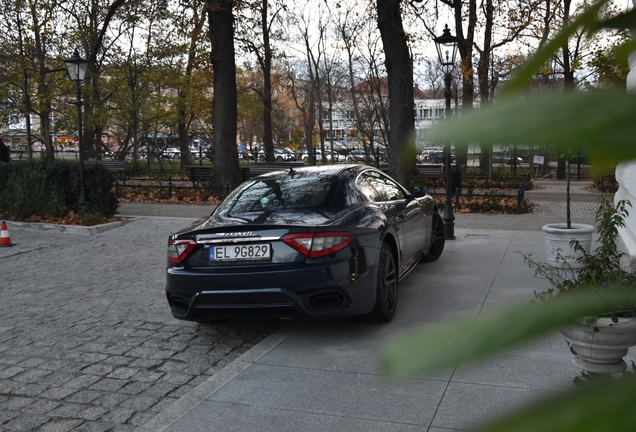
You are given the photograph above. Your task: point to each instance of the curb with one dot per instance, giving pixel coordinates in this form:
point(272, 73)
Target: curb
point(69, 229)
point(195, 397)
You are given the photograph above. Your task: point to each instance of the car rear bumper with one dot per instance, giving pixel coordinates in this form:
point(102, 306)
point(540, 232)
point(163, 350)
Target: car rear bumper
point(333, 290)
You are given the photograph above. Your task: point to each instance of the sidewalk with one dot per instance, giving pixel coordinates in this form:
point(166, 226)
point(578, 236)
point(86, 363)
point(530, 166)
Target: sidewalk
point(325, 376)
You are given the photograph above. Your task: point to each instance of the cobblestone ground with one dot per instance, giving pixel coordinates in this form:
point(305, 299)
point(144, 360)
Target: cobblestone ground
point(577, 209)
point(86, 338)
point(560, 187)
point(552, 208)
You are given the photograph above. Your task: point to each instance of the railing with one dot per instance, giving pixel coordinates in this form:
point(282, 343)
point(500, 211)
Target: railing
point(168, 183)
point(485, 192)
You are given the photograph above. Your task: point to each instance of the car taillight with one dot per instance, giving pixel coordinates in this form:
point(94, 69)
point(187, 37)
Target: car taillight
point(180, 250)
point(315, 245)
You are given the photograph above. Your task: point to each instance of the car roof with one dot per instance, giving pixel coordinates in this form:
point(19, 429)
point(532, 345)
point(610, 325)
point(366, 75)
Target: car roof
point(323, 169)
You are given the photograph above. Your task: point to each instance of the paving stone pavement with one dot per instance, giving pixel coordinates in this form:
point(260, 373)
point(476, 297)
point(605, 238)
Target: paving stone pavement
point(585, 209)
point(87, 342)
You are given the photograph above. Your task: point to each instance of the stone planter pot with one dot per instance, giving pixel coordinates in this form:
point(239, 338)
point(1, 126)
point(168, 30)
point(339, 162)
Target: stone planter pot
point(601, 351)
point(557, 240)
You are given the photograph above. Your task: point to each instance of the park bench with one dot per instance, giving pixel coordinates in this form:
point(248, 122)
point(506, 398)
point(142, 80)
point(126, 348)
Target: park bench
point(199, 174)
point(430, 171)
point(258, 168)
point(116, 167)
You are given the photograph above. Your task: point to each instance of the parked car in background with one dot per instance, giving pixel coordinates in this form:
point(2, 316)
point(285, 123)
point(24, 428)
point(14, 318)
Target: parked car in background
point(170, 153)
point(280, 155)
point(195, 153)
point(438, 158)
point(175, 153)
point(508, 159)
point(358, 156)
point(244, 155)
point(312, 242)
point(300, 154)
point(303, 155)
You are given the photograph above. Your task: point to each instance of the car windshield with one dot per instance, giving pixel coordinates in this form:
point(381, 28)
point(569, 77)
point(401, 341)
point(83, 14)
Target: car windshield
point(292, 192)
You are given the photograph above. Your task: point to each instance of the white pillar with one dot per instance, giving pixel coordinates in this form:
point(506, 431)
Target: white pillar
point(626, 177)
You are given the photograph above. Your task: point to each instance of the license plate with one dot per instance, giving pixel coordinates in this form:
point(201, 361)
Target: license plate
point(259, 251)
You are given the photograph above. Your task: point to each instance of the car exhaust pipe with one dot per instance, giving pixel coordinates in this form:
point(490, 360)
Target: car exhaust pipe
point(179, 304)
point(325, 301)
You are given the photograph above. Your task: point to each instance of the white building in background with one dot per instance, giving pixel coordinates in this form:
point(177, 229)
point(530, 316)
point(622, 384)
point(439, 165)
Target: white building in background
point(427, 113)
point(344, 130)
point(626, 177)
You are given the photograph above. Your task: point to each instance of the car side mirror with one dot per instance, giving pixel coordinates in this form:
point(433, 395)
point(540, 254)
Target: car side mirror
point(418, 191)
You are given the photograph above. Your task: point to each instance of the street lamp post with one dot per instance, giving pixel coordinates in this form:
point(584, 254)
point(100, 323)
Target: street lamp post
point(76, 67)
point(446, 45)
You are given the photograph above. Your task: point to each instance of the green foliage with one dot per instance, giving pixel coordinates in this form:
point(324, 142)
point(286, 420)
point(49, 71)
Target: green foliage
point(601, 269)
point(26, 193)
point(611, 69)
point(39, 188)
point(599, 123)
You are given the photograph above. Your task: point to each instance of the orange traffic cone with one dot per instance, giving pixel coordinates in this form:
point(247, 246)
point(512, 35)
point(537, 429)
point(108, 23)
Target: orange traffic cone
point(5, 240)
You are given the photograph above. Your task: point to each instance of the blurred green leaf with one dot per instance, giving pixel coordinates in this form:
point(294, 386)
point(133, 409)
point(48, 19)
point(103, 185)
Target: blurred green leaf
point(624, 50)
point(624, 20)
point(444, 346)
point(599, 407)
point(600, 123)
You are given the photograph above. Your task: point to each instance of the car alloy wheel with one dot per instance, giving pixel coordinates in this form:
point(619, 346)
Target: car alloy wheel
point(386, 301)
point(438, 239)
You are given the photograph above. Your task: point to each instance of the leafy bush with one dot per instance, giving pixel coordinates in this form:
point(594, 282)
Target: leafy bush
point(38, 188)
point(601, 269)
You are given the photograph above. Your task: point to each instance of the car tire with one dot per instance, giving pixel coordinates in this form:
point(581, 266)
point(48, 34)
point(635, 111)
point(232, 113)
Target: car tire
point(438, 239)
point(279, 159)
point(387, 286)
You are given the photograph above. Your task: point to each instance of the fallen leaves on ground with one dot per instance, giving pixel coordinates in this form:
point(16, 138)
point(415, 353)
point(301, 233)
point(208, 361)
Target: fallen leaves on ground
point(156, 195)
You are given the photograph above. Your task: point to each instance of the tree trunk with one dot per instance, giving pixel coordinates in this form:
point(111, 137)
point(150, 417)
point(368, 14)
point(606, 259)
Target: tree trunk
point(44, 104)
point(186, 89)
point(399, 66)
point(465, 48)
point(483, 67)
point(268, 141)
point(226, 166)
point(568, 86)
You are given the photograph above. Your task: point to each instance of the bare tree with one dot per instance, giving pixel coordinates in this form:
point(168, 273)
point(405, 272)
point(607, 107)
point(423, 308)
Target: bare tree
point(197, 17)
point(258, 28)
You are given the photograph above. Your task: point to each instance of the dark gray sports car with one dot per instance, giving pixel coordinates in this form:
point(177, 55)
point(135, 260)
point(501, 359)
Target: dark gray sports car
point(312, 242)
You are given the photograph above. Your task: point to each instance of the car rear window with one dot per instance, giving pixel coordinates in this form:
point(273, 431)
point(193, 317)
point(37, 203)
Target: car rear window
point(299, 191)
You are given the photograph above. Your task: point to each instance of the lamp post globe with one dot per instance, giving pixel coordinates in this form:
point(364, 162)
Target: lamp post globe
point(76, 67)
point(446, 45)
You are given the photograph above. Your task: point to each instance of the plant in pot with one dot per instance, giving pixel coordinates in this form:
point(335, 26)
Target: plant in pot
point(560, 238)
point(599, 342)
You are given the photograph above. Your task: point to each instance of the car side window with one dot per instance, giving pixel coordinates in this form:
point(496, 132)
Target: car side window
point(365, 183)
point(379, 188)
